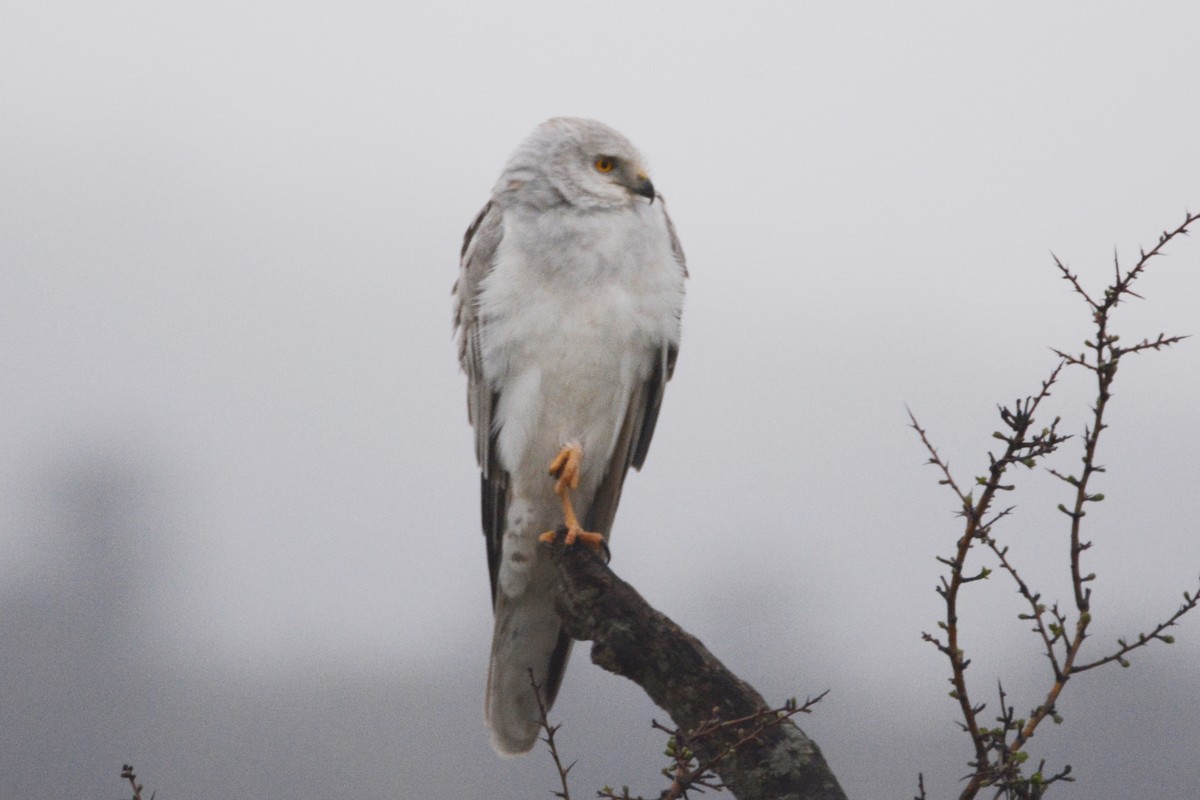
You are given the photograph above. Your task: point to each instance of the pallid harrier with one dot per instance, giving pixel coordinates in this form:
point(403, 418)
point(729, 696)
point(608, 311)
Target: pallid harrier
point(568, 308)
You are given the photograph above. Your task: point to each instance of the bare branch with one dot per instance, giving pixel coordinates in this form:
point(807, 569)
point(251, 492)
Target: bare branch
point(1190, 601)
point(1122, 283)
point(128, 774)
point(999, 752)
point(630, 638)
point(565, 792)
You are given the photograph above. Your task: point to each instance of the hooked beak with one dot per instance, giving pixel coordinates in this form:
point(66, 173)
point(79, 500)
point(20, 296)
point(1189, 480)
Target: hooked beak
point(643, 186)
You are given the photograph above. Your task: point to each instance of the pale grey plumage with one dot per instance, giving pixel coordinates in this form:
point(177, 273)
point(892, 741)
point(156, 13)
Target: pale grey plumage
point(568, 307)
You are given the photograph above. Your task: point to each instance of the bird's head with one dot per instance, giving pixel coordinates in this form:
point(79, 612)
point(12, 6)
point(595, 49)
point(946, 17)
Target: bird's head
point(577, 161)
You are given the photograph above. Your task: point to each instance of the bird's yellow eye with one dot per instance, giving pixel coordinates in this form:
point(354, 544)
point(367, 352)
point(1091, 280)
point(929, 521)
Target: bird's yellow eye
point(604, 164)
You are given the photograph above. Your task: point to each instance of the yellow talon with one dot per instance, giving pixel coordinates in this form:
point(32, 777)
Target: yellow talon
point(566, 468)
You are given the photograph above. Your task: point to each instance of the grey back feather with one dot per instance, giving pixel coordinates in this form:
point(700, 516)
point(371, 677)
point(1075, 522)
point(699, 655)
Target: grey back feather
point(478, 253)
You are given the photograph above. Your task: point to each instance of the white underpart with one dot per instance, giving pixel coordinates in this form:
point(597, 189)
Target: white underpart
point(574, 314)
point(581, 297)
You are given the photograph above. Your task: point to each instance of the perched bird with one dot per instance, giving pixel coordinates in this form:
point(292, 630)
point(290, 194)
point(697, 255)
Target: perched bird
point(568, 309)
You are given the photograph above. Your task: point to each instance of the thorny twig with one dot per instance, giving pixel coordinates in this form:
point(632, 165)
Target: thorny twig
point(686, 773)
point(681, 747)
point(128, 774)
point(1023, 448)
point(565, 792)
point(999, 752)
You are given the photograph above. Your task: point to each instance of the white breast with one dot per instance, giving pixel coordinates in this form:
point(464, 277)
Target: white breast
point(573, 315)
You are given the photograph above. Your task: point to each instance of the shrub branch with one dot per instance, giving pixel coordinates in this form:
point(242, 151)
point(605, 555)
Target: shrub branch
point(999, 751)
point(724, 727)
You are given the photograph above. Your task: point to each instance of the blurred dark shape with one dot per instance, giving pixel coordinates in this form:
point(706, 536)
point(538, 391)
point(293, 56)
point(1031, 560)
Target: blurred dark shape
point(71, 661)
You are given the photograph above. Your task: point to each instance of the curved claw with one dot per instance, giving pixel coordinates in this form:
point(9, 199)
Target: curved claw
point(576, 534)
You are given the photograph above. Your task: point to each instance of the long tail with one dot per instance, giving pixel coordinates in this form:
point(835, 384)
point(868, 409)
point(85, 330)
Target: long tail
point(527, 637)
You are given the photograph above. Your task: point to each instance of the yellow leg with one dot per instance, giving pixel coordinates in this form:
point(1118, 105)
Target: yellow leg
point(565, 467)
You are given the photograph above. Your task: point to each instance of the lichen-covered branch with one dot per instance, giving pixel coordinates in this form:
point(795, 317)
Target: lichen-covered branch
point(757, 758)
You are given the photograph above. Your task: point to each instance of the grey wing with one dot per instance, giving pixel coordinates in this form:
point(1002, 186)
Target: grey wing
point(478, 253)
point(641, 416)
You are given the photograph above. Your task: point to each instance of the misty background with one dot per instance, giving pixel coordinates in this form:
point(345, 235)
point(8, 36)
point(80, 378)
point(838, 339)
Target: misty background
point(239, 534)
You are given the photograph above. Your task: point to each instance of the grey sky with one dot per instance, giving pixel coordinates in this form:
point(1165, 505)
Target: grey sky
point(239, 537)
